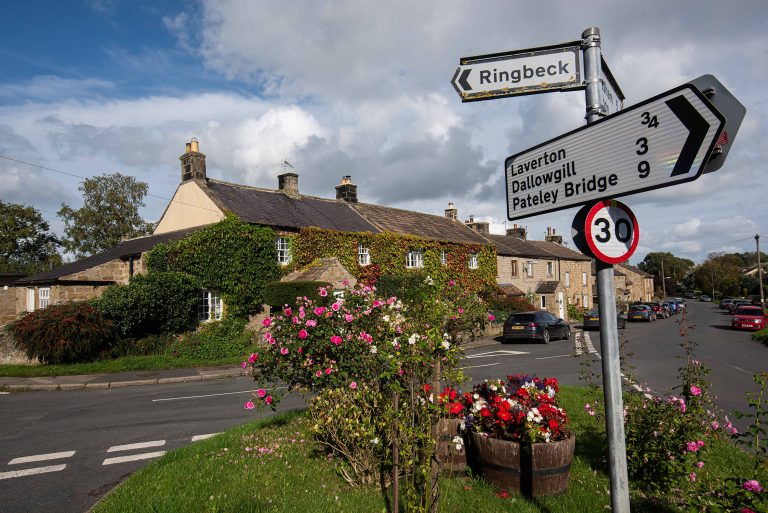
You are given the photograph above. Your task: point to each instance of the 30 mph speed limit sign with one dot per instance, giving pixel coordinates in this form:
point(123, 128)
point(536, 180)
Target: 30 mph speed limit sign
point(608, 230)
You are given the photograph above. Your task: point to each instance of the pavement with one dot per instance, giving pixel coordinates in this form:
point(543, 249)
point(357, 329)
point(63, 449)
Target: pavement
point(140, 378)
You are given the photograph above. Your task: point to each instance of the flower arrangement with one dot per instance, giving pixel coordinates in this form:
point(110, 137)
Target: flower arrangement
point(522, 408)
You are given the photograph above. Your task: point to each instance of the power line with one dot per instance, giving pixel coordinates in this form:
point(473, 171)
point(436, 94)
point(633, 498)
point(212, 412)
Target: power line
point(85, 178)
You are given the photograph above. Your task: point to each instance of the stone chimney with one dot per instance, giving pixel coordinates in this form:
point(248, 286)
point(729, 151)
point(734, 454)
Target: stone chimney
point(552, 237)
point(289, 184)
point(481, 227)
point(192, 162)
point(517, 231)
point(451, 212)
point(346, 190)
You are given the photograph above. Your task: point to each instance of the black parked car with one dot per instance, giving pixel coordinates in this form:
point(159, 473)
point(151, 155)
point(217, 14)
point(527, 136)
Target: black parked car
point(541, 326)
point(592, 320)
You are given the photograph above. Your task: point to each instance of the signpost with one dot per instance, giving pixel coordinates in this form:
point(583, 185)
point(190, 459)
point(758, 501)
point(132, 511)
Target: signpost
point(533, 70)
point(659, 142)
point(666, 140)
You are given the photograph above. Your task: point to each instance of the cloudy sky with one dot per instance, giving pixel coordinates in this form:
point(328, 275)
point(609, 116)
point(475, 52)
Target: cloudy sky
point(361, 88)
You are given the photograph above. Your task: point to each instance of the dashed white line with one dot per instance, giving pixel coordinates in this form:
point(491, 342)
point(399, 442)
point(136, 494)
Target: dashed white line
point(478, 366)
point(203, 437)
point(557, 356)
point(32, 471)
point(211, 395)
point(42, 457)
point(135, 457)
point(489, 354)
point(739, 369)
point(140, 445)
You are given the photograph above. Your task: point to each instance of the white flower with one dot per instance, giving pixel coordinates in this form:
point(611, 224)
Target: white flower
point(413, 338)
point(462, 425)
point(446, 344)
point(493, 387)
point(428, 280)
point(374, 350)
point(458, 442)
point(476, 396)
point(385, 318)
point(431, 398)
point(375, 441)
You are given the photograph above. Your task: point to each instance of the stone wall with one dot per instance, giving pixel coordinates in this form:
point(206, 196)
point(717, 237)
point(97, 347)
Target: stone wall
point(8, 310)
point(115, 270)
point(575, 289)
point(522, 280)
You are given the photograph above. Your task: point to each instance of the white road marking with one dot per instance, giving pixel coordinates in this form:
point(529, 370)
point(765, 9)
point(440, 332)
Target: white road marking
point(548, 357)
point(478, 366)
point(577, 343)
point(739, 369)
point(590, 347)
point(203, 437)
point(42, 457)
point(140, 445)
point(4, 393)
point(489, 354)
point(212, 395)
point(31, 471)
point(134, 457)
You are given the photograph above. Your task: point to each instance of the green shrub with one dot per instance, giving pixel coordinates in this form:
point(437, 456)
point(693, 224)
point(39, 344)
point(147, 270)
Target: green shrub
point(66, 333)
point(214, 340)
point(281, 293)
point(576, 312)
point(761, 336)
point(146, 346)
point(231, 256)
point(155, 303)
point(502, 304)
point(409, 288)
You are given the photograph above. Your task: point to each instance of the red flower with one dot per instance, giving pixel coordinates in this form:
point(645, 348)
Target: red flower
point(503, 415)
point(553, 424)
point(456, 408)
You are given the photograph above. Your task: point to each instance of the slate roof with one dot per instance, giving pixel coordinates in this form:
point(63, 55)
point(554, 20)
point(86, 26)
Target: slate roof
point(512, 246)
point(635, 270)
point(559, 250)
point(616, 270)
point(511, 289)
point(122, 250)
point(408, 222)
point(10, 278)
point(547, 287)
point(276, 208)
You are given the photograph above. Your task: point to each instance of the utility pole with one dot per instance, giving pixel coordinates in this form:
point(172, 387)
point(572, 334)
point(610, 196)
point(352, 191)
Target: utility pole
point(663, 282)
point(760, 272)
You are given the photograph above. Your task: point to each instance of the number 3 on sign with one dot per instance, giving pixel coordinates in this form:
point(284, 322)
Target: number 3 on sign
point(611, 231)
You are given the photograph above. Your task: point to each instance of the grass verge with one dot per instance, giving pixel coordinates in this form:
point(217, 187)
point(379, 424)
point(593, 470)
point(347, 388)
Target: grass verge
point(273, 466)
point(124, 364)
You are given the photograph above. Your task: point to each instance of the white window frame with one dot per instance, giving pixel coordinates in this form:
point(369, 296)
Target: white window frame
point(443, 257)
point(43, 297)
point(550, 269)
point(529, 269)
point(363, 255)
point(543, 301)
point(583, 278)
point(31, 299)
point(585, 301)
point(567, 278)
point(414, 259)
point(473, 263)
point(210, 307)
point(283, 247)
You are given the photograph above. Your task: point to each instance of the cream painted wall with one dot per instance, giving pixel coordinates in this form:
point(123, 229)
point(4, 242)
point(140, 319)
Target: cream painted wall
point(189, 207)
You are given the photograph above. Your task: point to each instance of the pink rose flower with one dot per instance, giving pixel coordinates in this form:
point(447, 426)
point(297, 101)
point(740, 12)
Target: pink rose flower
point(311, 323)
point(323, 292)
point(319, 310)
point(328, 371)
point(353, 385)
point(753, 485)
point(696, 391)
point(461, 310)
point(451, 283)
point(336, 339)
point(491, 317)
point(700, 464)
point(249, 405)
point(268, 399)
point(345, 282)
point(284, 351)
point(715, 424)
point(318, 374)
point(287, 311)
point(261, 392)
point(349, 317)
point(253, 358)
point(267, 322)
point(244, 365)
point(692, 446)
point(692, 476)
point(303, 334)
point(335, 307)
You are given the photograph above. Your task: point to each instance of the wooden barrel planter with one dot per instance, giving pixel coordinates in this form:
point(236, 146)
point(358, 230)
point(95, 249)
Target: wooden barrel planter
point(533, 470)
point(452, 460)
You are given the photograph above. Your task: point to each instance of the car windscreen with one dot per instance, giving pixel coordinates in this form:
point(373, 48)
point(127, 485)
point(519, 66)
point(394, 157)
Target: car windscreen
point(637, 308)
point(521, 318)
point(593, 312)
point(744, 310)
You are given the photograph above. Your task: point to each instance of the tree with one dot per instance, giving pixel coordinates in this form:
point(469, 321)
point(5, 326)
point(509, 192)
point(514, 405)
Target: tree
point(721, 274)
point(110, 214)
point(26, 246)
point(675, 268)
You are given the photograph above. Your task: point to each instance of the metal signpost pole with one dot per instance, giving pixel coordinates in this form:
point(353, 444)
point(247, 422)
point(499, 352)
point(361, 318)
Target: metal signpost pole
point(606, 292)
point(759, 273)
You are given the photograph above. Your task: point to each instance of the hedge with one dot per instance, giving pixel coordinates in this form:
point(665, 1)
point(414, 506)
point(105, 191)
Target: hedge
point(281, 293)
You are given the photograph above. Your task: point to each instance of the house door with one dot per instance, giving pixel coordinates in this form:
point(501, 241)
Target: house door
point(560, 305)
point(30, 299)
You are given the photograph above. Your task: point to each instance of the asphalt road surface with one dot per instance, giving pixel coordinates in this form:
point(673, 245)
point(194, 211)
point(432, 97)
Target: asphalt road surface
point(62, 451)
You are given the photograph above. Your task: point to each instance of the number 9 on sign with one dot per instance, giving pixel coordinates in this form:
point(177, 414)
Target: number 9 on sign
point(611, 231)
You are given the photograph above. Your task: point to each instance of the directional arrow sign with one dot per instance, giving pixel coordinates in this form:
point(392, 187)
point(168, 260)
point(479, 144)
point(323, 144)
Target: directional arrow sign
point(534, 70)
point(660, 142)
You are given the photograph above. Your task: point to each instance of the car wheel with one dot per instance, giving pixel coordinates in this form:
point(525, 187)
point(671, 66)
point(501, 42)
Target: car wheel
point(545, 337)
point(567, 333)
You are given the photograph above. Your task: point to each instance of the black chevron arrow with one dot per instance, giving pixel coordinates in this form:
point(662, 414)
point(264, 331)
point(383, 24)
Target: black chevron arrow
point(463, 80)
point(697, 127)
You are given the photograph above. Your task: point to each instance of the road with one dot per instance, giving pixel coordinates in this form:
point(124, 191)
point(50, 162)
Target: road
point(62, 451)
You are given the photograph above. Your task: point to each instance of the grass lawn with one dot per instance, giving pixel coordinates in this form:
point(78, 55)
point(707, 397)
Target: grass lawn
point(273, 466)
point(124, 364)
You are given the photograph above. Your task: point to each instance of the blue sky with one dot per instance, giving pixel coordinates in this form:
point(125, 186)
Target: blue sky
point(360, 88)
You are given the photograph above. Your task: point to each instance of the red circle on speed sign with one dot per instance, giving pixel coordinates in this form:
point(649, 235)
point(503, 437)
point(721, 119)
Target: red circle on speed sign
point(611, 231)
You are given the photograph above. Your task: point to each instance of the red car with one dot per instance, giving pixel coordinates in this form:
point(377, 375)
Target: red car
point(748, 318)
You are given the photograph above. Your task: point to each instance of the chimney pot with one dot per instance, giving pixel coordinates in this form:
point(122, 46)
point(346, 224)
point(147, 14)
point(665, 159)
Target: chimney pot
point(192, 162)
point(451, 212)
point(194, 146)
point(289, 184)
point(346, 190)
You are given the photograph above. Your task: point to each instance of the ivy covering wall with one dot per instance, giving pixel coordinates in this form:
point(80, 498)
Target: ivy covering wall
point(387, 254)
point(234, 257)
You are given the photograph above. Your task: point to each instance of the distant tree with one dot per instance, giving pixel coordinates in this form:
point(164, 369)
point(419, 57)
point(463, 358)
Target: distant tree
point(720, 274)
point(26, 245)
point(675, 268)
point(110, 213)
